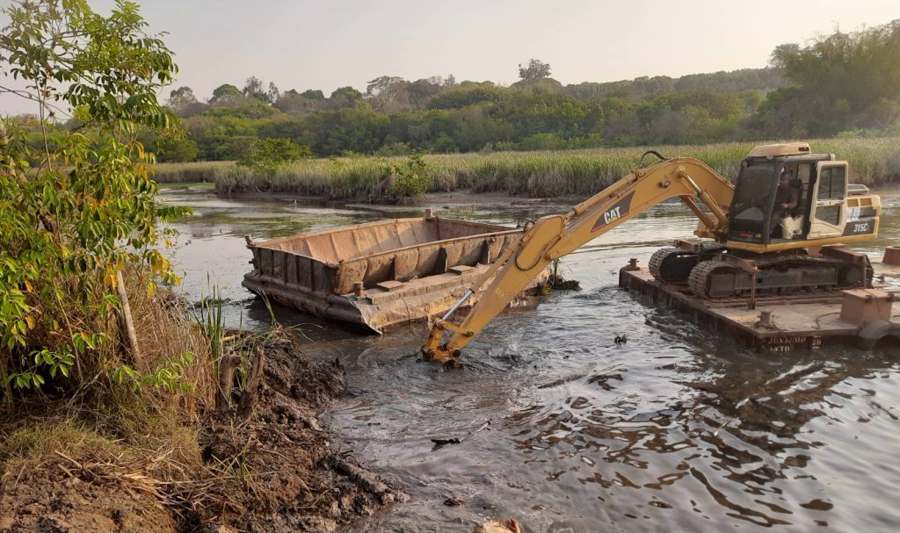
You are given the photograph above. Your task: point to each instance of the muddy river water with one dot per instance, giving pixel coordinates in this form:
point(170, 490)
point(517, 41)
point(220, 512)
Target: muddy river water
point(677, 430)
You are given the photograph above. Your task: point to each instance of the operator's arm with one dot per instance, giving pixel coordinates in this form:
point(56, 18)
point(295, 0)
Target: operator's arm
point(554, 236)
point(794, 200)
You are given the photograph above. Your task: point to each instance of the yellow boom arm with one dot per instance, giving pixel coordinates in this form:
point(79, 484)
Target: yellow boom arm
point(554, 236)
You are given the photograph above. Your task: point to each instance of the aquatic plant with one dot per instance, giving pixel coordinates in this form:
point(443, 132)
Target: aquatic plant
point(539, 174)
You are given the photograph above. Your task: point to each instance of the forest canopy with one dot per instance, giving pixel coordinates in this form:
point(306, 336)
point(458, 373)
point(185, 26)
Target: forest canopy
point(840, 84)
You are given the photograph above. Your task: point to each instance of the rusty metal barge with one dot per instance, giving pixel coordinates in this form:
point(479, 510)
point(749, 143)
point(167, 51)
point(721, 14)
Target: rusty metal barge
point(381, 274)
point(864, 317)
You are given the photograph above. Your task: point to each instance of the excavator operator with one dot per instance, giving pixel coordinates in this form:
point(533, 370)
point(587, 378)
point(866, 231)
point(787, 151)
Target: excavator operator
point(787, 198)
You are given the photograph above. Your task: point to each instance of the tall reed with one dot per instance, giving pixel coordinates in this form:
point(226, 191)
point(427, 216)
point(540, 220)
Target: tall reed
point(873, 161)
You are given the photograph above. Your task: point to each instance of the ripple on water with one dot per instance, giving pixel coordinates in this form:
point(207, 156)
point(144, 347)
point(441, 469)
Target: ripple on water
point(676, 430)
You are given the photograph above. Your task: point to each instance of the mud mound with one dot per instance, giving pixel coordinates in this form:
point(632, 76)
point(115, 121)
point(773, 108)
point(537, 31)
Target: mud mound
point(287, 476)
point(290, 374)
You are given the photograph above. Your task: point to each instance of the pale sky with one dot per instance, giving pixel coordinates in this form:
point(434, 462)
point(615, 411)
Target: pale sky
point(304, 44)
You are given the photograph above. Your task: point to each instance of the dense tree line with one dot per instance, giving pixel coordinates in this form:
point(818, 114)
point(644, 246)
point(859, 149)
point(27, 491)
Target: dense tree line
point(840, 83)
point(395, 116)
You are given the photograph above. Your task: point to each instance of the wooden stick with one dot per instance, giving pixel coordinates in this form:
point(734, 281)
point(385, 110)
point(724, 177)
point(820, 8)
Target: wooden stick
point(128, 319)
point(227, 366)
point(251, 392)
point(7, 389)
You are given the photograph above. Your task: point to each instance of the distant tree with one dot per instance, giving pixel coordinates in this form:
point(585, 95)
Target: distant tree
point(450, 80)
point(184, 103)
point(391, 94)
point(344, 97)
point(253, 88)
point(242, 107)
point(382, 84)
point(354, 129)
point(174, 148)
point(535, 70)
point(292, 101)
point(420, 92)
point(225, 93)
point(782, 54)
point(465, 94)
point(311, 94)
point(757, 79)
point(181, 97)
point(272, 93)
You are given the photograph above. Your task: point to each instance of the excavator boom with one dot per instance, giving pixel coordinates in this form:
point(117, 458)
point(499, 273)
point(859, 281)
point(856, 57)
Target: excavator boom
point(704, 191)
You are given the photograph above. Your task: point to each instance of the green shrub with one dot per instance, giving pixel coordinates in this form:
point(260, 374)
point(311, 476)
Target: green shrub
point(82, 224)
point(266, 155)
point(411, 178)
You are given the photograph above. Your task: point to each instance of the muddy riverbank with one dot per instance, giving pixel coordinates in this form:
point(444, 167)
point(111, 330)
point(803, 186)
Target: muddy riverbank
point(269, 465)
point(677, 429)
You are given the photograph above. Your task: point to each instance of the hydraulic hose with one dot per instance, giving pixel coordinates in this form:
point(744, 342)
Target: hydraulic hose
point(651, 152)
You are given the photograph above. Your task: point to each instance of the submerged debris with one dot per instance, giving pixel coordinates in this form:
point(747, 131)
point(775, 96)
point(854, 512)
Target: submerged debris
point(443, 442)
point(454, 501)
point(439, 442)
point(504, 526)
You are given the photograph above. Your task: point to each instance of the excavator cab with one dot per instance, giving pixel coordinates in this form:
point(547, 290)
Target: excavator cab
point(786, 196)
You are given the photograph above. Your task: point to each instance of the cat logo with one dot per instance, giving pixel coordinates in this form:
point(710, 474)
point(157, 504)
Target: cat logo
point(614, 213)
point(611, 215)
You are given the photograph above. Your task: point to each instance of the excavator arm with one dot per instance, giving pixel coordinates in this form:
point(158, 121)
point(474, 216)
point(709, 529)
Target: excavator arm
point(554, 236)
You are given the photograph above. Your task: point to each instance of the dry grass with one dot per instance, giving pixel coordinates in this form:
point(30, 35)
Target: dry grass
point(166, 331)
point(121, 437)
point(40, 442)
point(191, 172)
point(538, 174)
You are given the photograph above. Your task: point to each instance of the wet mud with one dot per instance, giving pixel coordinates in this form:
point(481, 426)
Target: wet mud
point(297, 477)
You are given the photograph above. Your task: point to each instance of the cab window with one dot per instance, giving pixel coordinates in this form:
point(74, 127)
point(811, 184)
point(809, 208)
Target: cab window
point(752, 203)
point(832, 183)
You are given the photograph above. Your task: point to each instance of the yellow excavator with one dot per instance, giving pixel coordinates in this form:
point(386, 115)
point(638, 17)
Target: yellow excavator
point(780, 229)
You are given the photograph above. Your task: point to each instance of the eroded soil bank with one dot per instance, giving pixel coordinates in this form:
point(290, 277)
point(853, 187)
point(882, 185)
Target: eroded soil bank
point(276, 469)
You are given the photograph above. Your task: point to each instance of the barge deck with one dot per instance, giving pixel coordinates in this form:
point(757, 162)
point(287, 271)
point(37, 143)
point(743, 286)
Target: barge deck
point(863, 317)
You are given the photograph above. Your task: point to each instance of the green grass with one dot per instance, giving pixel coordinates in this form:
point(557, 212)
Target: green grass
point(873, 161)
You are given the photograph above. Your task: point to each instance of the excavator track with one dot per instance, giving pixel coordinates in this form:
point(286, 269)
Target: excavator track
point(698, 281)
point(674, 264)
point(664, 257)
point(791, 274)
